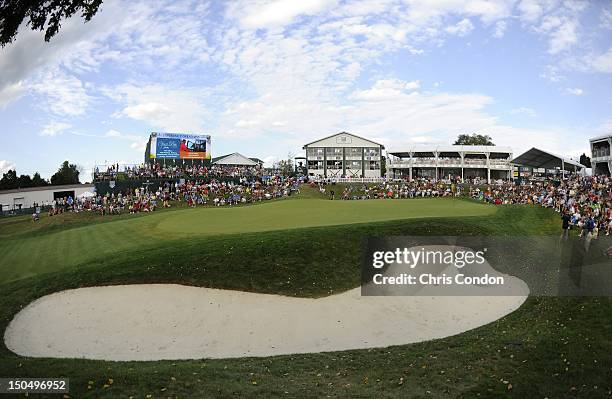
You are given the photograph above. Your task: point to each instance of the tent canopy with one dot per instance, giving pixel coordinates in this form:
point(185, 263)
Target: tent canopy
point(87, 194)
point(235, 159)
point(537, 158)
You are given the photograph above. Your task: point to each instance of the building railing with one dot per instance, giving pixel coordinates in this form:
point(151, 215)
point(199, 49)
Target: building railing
point(318, 179)
point(475, 162)
point(500, 164)
point(448, 163)
point(601, 153)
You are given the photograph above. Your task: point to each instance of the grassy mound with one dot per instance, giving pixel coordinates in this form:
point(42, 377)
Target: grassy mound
point(555, 347)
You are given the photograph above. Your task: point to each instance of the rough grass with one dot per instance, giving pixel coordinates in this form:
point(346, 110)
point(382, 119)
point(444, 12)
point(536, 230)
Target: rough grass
point(550, 347)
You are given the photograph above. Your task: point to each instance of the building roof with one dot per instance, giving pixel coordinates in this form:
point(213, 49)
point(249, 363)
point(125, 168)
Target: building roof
point(234, 159)
point(339, 133)
point(602, 137)
point(450, 148)
point(65, 187)
point(537, 158)
point(259, 161)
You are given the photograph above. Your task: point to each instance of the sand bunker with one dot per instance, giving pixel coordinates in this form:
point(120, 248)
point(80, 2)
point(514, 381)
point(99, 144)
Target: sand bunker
point(156, 321)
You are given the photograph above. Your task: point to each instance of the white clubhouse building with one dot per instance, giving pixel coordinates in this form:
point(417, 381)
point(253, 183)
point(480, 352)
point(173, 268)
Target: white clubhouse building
point(442, 161)
point(343, 155)
point(348, 156)
point(601, 156)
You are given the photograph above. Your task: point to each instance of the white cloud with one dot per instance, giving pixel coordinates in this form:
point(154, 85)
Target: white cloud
point(488, 11)
point(383, 90)
point(300, 76)
point(531, 10)
point(603, 62)
point(152, 38)
point(270, 160)
point(137, 142)
point(461, 28)
point(558, 22)
point(179, 110)
point(575, 91)
point(552, 74)
point(5, 166)
point(11, 93)
point(523, 110)
point(606, 18)
point(397, 116)
point(266, 14)
point(54, 129)
point(247, 123)
point(281, 65)
point(146, 111)
point(563, 37)
point(139, 146)
point(112, 133)
point(62, 94)
point(500, 29)
point(413, 85)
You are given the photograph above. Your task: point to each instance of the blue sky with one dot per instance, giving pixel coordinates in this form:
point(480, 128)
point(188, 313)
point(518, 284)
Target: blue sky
point(265, 77)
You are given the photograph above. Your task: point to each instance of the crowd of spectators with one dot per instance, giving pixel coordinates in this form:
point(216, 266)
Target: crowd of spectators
point(160, 171)
point(417, 188)
point(192, 193)
point(584, 201)
point(217, 193)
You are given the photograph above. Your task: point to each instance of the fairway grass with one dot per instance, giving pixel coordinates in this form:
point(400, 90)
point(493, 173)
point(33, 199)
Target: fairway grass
point(33, 252)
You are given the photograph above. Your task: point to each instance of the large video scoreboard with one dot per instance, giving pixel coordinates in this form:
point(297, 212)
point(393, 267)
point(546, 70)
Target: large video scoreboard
point(179, 146)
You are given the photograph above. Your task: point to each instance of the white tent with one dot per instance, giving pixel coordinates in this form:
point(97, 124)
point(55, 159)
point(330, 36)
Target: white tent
point(235, 159)
point(87, 194)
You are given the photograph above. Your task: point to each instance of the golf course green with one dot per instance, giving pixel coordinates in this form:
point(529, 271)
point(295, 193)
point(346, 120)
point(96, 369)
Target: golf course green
point(303, 247)
point(48, 248)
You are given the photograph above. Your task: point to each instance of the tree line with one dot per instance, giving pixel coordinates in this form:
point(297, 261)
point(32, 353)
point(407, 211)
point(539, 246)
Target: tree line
point(66, 174)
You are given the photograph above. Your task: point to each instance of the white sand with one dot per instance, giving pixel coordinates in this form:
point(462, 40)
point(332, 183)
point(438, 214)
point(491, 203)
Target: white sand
point(153, 322)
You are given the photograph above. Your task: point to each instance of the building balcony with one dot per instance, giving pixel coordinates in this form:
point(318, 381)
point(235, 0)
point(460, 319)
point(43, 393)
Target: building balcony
point(449, 163)
point(500, 164)
point(601, 158)
point(423, 162)
point(478, 163)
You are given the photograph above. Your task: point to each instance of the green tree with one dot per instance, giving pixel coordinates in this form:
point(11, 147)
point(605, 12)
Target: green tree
point(67, 174)
point(586, 161)
point(41, 15)
point(9, 180)
point(285, 166)
point(24, 181)
point(474, 139)
point(38, 181)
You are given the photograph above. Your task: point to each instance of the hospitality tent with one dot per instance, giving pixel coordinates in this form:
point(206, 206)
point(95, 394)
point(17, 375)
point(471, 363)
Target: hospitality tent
point(537, 158)
point(234, 159)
